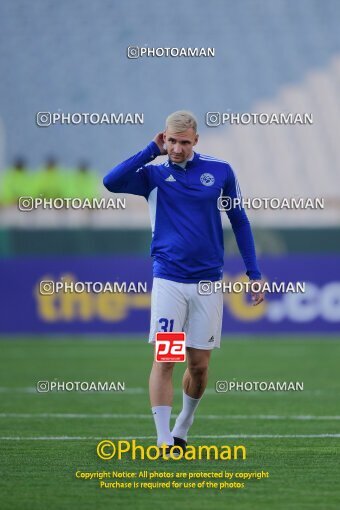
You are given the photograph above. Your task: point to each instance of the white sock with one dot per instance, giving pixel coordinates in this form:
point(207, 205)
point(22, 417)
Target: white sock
point(185, 417)
point(161, 415)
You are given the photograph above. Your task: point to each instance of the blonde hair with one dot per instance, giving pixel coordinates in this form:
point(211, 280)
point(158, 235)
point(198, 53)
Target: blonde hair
point(181, 121)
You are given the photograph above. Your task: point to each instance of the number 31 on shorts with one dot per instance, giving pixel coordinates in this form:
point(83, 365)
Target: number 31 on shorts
point(166, 325)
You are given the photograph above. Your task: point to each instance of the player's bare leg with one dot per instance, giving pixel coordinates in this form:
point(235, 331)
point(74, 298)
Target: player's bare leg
point(195, 377)
point(160, 384)
point(195, 380)
point(161, 398)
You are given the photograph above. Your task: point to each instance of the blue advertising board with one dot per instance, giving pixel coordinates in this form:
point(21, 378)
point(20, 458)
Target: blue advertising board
point(25, 310)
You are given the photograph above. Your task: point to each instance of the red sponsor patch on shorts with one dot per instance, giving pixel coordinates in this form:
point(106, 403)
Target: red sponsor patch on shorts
point(170, 346)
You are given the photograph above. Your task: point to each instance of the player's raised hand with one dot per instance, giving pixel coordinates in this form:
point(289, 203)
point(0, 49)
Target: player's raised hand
point(257, 293)
point(159, 140)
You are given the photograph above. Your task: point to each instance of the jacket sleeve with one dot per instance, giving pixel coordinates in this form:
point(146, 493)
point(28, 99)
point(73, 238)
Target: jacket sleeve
point(241, 226)
point(132, 176)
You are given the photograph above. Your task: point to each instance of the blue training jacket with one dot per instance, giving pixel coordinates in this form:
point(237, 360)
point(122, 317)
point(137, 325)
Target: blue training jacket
point(187, 235)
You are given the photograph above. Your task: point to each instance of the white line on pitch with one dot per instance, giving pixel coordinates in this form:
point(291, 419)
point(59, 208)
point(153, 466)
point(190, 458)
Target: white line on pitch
point(230, 436)
point(142, 391)
point(115, 416)
point(33, 389)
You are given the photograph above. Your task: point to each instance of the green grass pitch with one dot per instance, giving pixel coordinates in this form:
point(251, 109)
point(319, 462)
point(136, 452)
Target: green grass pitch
point(39, 474)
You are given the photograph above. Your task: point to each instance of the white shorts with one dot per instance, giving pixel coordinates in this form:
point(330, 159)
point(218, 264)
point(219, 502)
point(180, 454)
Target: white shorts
point(179, 307)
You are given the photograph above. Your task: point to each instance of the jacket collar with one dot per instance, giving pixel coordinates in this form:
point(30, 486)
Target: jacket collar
point(190, 162)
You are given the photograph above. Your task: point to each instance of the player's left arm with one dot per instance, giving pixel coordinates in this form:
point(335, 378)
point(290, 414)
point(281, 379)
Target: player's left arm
point(242, 231)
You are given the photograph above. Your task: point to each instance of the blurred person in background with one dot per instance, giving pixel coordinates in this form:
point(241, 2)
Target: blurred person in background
point(51, 180)
point(16, 182)
point(82, 182)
